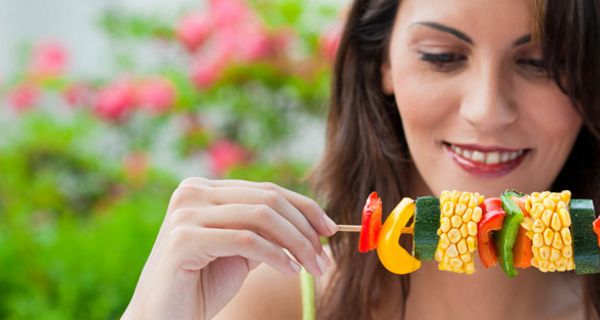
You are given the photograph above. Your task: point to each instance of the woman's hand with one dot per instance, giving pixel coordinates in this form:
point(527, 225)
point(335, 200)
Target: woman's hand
point(214, 233)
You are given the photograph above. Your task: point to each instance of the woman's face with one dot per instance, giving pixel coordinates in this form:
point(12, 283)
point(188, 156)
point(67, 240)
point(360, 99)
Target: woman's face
point(478, 111)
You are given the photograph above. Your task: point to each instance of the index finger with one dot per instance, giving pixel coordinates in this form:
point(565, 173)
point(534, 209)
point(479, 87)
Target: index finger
point(313, 212)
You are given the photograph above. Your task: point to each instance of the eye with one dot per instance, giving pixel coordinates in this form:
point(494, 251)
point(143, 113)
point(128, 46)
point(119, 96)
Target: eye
point(442, 61)
point(535, 66)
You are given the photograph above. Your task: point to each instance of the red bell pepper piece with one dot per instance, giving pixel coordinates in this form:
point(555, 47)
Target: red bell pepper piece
point(596, 225)
point(371, 224)
point(522, 250)
point(492, 219)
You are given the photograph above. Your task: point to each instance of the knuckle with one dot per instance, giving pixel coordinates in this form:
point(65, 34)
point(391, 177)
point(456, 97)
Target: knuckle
point(182, 216)
point(246, 239)
point(194, 181)
point(271, 198)
point(270, 186)
point(181, 235)
point(182, 195)
point(264, 213)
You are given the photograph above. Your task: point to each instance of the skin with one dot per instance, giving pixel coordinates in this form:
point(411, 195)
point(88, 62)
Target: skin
point(216, 232)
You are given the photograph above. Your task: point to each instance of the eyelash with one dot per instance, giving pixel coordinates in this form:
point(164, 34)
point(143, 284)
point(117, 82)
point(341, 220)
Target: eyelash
point(444, 61)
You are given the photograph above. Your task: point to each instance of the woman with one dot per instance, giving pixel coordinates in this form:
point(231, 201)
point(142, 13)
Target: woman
point(428, 95)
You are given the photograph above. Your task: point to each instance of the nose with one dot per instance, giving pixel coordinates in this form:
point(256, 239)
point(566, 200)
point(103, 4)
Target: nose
point(489, 105)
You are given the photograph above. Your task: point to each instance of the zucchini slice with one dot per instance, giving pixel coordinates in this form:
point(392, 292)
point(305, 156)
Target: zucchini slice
point(427, 222)
point(586, 253)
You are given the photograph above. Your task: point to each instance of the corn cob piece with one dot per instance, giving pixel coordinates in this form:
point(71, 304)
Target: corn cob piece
point(549, 229)
point(460, 213)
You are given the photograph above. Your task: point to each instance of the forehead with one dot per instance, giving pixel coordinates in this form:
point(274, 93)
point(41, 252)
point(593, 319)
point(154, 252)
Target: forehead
point(479, 18)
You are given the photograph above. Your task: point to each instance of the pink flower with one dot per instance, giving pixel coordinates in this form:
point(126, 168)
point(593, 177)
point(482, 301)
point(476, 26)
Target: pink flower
point(24, 96)
point(78, 94)
point(227, 13)
point(253, 43)
point(48, 60)
point(225, 154)
point(193, 30)
point(156, 94)
point(330, 42)
point(116, 100)
point(206, 70)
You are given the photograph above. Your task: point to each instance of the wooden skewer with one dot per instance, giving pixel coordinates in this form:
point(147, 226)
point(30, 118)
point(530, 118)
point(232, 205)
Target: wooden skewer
point(351, 228)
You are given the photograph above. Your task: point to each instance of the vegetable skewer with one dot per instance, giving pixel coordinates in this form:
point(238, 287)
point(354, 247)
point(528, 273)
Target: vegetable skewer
point(545, 230)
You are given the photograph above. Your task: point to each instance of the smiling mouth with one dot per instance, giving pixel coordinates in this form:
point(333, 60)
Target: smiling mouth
point(486, 161)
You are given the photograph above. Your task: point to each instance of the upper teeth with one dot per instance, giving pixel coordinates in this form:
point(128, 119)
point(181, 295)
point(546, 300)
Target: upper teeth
point(493, 157)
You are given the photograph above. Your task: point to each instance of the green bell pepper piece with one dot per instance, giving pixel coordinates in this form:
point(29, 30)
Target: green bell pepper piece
point(507, 236)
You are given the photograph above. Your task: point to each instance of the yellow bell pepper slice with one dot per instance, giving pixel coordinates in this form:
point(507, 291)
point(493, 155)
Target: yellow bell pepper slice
point(391, 254)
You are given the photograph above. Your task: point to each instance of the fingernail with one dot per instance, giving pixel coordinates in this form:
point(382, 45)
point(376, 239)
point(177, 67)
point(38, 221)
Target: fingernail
point(321, 265)
point(295, 266)
point(330, 224)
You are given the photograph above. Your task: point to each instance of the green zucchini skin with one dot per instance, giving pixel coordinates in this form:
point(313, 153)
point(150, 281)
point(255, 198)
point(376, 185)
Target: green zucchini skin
point(586, 253)
point(427, 222)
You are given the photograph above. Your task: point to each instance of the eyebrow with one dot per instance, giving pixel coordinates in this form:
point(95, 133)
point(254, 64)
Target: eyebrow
point(462, 36)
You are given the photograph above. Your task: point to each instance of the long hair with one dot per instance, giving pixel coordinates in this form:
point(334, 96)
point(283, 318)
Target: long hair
point(366, 148)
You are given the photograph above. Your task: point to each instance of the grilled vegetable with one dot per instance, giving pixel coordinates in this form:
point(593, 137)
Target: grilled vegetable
point(427, 221)
point(585, 249)
point(371, 224)
point(391, 254)
point(492, 220)
point(549, 230)
point(458, 231)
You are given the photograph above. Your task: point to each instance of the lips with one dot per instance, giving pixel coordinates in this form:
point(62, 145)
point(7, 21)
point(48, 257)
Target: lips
point(486, 161)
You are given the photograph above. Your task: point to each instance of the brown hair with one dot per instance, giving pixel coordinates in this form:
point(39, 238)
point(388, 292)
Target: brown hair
point(366, 148)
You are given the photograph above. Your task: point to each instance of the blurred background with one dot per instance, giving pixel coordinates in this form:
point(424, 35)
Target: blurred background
point(106, 105)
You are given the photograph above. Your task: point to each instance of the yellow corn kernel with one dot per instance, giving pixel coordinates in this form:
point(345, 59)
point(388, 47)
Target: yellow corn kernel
point(445, 224)
point(555, 224)
point(529, 234)
point(567, 252)
point(527, 223)
point(557, 242)
point(464, 232)
point(472, 244)
point(554, 254)
point(456, 221)
point(538, 226)
point(563, 213)
point(555, 197)
point(462, 246)
point(566, 236)
point(464, 198)
point(444, 196)
point(565, 196)
point(460, 208)
point(454, 235)
point(536, 210)
point(454, 196)
point(546, 216)
point(476, 217)
point(474, 202)
point(466, 257)
point(448, 209)
point(472, 228)
point(444, 241)
point(561, 204)
point(468, 215)
point(548, 236)
point(452, 251)
point(528, 204)
point(544, 253)
point(545, 194)
point(549, 204)
point(456, 262)
point(438, 255)
point(537, 240)
point(470, 267)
